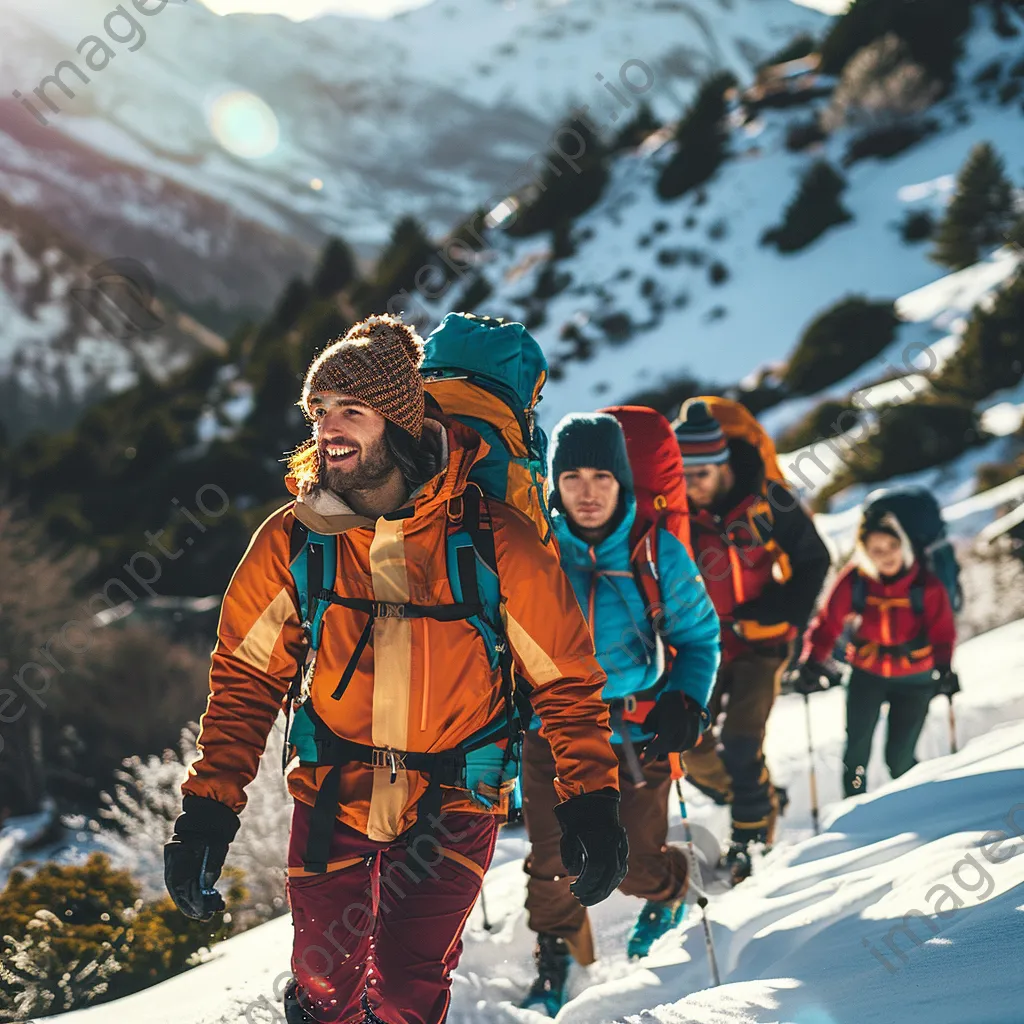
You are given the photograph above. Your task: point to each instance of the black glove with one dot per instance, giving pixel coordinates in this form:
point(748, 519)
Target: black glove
point(677, 722)
point(195, 855)
point(947, 682)
point(770, 609)
point(812, 677)
point(594, 845)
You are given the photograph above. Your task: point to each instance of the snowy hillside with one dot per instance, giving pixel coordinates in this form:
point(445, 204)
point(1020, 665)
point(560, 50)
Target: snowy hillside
point(256, 135)
point(815, 937)
point(71, 333)
point(662, 289)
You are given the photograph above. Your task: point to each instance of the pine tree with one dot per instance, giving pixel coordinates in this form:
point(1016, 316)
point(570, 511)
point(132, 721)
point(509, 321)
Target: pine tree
point(816, 207)
point(335, 271)
point(406, 254)
point(702, 139)
point(566, 185)
point(981, 212)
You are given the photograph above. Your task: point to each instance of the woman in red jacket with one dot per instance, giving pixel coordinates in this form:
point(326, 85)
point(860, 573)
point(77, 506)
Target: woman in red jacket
point(900, 634)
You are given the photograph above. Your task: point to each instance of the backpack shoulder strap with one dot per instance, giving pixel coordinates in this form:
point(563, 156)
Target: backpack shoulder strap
point(643, 561)
point(477, 522)
point(313, 562)
point(859, 593)
point(917, 597)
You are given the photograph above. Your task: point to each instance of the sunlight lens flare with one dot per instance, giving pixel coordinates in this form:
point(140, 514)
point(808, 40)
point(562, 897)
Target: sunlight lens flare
point(243, 124)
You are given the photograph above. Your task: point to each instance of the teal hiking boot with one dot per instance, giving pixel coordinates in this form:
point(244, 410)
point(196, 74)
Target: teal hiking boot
point(548, 990)
point(654, 921)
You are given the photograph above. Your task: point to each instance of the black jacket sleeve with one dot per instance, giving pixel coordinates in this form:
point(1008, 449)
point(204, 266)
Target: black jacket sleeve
point(795, 533)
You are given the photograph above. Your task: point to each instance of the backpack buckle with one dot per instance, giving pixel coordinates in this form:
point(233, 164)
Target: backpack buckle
point(386, 757)
point(383, 610)
point(629, 703)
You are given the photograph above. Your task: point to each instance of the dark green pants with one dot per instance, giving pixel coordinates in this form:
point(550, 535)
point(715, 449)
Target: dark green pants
point(908, 700)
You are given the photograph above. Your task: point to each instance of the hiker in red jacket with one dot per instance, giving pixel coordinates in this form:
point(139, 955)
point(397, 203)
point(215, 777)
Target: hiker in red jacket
point(901, 636)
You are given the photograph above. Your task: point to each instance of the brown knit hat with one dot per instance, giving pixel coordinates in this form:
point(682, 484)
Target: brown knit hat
point(377, 362)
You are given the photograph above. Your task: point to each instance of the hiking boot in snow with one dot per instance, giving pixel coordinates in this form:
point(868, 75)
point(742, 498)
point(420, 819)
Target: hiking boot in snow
point(548, 990)
point(654, 921)
point(737, 862)
point(293, 1012)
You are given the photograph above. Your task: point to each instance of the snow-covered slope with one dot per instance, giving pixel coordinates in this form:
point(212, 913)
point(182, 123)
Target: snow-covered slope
point(64, 339)
point(650, 261)
point(359, 121)
point(935, 317)
point(797, 943)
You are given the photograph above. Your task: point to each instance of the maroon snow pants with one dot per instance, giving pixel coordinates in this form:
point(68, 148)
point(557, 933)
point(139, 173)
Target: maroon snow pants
point(370, 930)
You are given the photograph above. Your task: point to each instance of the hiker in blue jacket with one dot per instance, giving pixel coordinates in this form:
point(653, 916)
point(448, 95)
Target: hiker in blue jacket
point(653, 713)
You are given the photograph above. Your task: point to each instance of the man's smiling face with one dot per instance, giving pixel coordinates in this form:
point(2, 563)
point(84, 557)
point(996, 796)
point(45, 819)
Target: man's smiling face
point(353, 452)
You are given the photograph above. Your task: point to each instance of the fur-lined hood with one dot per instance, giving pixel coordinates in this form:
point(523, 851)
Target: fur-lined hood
point(890, 522)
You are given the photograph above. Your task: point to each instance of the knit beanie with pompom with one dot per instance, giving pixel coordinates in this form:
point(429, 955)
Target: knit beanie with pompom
point(377, 362)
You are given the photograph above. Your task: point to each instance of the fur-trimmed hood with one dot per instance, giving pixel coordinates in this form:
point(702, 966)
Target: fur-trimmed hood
point(889, 521)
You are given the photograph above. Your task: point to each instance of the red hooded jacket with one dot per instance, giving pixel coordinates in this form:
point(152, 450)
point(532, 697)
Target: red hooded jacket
point(891, 640)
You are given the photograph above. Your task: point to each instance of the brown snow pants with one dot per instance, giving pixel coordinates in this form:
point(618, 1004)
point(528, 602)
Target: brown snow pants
point(656, 872)
point(728, 763)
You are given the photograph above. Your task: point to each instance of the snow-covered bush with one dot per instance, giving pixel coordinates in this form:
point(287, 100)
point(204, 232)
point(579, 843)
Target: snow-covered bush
point(71, 935)
point(881, 86)
point(36, 979)
point(138, 819)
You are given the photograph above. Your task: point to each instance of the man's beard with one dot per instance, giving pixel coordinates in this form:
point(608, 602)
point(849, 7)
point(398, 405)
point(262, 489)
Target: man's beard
point(372, 470)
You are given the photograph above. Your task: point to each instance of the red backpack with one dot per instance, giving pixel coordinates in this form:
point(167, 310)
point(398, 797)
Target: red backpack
point(660, 489)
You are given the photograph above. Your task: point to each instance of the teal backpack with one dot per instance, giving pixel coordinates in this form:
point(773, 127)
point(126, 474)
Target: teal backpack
point(488, 374)
point(488, 763)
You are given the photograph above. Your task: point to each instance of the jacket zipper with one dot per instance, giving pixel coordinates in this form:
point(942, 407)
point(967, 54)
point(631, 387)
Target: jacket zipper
point(593, 593)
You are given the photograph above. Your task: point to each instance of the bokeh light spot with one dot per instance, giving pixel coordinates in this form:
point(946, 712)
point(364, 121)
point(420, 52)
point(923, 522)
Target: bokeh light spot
point(243, 124)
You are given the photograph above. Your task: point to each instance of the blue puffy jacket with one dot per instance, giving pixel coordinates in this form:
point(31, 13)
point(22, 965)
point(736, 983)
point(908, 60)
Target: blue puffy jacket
point(623, 637)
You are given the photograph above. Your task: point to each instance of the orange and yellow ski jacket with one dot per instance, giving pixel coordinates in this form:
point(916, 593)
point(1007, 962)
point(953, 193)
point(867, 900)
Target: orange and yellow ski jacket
point(420, 685)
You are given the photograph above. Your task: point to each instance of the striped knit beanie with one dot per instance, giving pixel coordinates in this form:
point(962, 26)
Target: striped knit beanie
point(376, 362)
point(592, 441)
point(701, 438)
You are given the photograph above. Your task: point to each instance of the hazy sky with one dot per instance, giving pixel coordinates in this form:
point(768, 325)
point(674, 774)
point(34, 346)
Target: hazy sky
point(299, 9)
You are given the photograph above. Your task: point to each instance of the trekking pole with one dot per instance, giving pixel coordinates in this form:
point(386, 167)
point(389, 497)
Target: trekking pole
point(483, 907)
point(952, 726)
point(814, 776)
point(702, 899)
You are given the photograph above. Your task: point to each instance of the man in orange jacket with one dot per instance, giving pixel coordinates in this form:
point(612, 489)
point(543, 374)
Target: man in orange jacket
point(393, 702)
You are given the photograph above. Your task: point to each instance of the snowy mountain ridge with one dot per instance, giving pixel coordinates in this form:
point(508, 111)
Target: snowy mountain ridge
point(464, 93)
point(658, 289)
